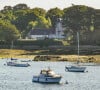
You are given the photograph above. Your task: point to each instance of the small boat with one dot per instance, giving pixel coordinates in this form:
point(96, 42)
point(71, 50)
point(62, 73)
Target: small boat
point(10, 63)
point(47, 76)
point(26, 60)
point(13, 58)
point(77, 67)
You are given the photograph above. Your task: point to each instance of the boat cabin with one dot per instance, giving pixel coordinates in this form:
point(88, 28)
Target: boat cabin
point(47, 72)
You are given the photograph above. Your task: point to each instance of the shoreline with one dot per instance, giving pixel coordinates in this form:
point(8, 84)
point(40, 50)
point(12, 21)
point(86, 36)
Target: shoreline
point(13, 53)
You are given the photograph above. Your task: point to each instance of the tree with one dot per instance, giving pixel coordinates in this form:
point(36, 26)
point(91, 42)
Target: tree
point(20, 6)
point(7, 8)
point(8, 32)
point(26, 19)
point(1, 16)
point(54, 14)
point(20, 13)
point(40, 22)
point(79, 18)
point(39, 12)
point(21, 20)
point(43, 22)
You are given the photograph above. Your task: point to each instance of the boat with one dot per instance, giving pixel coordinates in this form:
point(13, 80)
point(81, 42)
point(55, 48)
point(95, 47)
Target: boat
point(16, 64)
point(13, 58)
point(26, 60)
point(77, 67)
point(47, 76)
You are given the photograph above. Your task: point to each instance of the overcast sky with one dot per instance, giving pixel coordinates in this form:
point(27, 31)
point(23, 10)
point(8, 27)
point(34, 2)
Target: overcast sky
point(47, 4)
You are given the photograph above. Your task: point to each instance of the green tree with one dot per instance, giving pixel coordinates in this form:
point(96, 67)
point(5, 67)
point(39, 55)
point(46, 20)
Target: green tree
point(39, 12)
point(43, 22)
point(7, 8)
point(20, 13)
point(40, 22)
point(20, 6)
point(1, 16)
point(21, 19)
point(8, 32)
point(7, 14)
point(26, 19)
point(79, 18)
point(54, 14)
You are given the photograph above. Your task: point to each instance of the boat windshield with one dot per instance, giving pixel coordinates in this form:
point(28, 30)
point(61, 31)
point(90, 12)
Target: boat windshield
point(49, 72)
point(43, 72)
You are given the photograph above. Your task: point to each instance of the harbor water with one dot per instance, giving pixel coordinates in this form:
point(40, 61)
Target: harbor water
point(20, 78)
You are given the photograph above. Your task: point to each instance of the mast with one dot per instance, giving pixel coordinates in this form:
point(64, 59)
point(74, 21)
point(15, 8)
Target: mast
point(78, 47)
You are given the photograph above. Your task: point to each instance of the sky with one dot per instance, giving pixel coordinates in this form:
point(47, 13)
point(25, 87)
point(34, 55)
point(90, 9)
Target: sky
point(48, 4)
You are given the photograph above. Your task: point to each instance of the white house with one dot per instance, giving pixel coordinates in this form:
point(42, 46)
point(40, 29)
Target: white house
point(56, 33)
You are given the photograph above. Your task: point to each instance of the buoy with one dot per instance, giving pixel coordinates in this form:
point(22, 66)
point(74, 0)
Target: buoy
point(66, 82)
point(86, 71)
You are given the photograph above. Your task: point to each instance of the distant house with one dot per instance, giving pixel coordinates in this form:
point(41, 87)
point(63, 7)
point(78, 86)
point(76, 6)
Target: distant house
point(42, 33)
point(56, 33)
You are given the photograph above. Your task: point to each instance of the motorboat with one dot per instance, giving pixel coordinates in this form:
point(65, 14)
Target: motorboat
point(16, 64)
point(47, 76)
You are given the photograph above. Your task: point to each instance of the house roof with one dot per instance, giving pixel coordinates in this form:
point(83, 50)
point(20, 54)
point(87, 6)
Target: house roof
point(42, 31)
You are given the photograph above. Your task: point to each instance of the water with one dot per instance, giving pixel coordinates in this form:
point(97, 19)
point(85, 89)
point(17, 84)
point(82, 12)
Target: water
point(20, 78)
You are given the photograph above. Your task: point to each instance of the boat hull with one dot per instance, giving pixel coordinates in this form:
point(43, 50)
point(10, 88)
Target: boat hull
point(22, 65)
point(17, 64)
point(46, 79)
point(75, 69)
point(10, 64)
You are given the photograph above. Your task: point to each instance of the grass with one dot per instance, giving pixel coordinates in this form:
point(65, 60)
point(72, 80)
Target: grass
point(8, 53)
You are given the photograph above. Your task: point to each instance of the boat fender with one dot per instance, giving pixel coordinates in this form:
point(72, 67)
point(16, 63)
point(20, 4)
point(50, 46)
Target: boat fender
point(4, 64)
point(86, 71)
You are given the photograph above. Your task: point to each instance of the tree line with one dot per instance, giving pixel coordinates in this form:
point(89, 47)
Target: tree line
point(17, 21)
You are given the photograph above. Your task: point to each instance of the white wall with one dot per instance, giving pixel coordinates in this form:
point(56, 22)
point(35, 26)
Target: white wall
point(59, 30)
point(42, 36)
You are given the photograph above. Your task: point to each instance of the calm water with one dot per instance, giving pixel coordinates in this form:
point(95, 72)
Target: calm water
point(20, 78)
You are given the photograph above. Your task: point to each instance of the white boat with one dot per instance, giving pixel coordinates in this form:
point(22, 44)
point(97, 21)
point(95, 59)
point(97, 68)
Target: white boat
point(47, 76)
point(16, 64)
point(76, 68)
